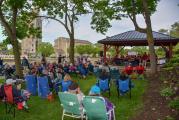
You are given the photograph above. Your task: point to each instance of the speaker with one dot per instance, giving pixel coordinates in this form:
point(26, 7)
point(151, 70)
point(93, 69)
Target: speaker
point(101, 53)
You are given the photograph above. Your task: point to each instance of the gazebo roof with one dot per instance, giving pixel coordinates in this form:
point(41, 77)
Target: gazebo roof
point(135, 38)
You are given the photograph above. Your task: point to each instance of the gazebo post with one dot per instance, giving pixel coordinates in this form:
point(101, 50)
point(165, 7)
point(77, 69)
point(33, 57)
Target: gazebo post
point(170, 50)
point(105, 50)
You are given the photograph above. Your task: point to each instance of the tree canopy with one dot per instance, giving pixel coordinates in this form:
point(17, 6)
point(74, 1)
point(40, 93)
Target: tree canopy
point(16, 17)
point(87, 49)
point(67, 13)
point(45, 48)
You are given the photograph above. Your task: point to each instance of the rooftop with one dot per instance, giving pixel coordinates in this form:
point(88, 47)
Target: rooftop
point(136, 38)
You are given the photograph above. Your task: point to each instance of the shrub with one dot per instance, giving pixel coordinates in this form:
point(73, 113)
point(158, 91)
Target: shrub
point(174, 104)
point(166, 92)
point(169, 118)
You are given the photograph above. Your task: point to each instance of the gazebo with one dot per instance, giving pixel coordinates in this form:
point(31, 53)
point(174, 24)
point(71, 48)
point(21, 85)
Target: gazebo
point(135, 38)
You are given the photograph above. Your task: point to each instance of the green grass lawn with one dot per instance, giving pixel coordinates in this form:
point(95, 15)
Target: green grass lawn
point(41, 109)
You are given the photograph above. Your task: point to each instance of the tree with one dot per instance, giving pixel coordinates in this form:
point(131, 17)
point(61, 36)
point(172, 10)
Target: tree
point(66, 12)
point(87, 49)
point(105, 11)
point(80, 49)
point(15, 17)
point(46, 49)
point(174, 32)
point(140, 50)
point(165, 31)
point(3, 46)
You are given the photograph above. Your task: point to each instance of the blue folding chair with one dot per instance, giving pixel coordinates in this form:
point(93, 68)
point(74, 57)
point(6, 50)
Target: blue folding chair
point(104, 85)
point(114, 74)
point(124, 86)
point(31, 84)
point(65, 85)
point(97, 72)
point(43, 87)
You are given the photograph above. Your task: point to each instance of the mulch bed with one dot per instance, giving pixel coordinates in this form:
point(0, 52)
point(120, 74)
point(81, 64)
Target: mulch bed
point(155, 106)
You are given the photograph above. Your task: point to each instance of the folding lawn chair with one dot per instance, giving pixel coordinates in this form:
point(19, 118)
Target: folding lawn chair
point(71, 105)
point(97, 72)
point(124, 86)
point(9, 100)
point(43, 87)
point(65, 85)
point(104, 85)
point(95, 108)
point(31, 84)
point(114, 74)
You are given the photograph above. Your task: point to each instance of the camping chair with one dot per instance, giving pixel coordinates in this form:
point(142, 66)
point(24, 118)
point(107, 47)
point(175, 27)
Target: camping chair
point(114, 74)
point(123, 86)
point(43, 87)
point(65, 84)
point(71, 105)
point(104, 85)
point(9, 100)
point(97, 72)
point(31, 84)
point(95, 108)
point(140, 72)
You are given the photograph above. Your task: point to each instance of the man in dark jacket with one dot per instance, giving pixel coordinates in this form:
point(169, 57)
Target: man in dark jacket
point(1, 62)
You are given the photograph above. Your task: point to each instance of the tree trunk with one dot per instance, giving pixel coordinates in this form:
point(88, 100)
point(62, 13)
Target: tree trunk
point(17, 59)
point(71, 50)
point(153, 59)
point(150, 39)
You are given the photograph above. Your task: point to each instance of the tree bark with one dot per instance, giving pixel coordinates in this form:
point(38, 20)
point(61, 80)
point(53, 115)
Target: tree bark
point(17, 59)
point(150, 39)
point(72, 46)
point(153, 59)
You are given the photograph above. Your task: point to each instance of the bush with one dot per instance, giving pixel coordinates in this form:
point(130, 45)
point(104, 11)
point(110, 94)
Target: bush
point(174, 104)
point(169, 118)
point(166, 92)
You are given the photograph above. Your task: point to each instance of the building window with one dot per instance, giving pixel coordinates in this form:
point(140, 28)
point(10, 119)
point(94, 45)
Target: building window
point(32, 50)
point(32, 45)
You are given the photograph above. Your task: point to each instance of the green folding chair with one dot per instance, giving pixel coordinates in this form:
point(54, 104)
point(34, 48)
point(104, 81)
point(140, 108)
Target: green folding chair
point(95, 108)
point(71, 105)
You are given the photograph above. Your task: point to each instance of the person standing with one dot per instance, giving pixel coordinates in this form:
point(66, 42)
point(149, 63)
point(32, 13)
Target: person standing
point(43, 61)
point(1, 62)
point(25, 65)
point(59, 59)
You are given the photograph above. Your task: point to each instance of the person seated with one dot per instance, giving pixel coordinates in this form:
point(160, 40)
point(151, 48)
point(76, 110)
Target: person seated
point(129, 69)
point(83, 70)
point(75, 89)
point(8, 71)
point(123, 76)
point(106, 67)
point(104, 75)
point(66, 68)
point(64, 83)
point(90, 67)
point(95, 91)
point(140, 69)
point(72, 68)
point(20, 96)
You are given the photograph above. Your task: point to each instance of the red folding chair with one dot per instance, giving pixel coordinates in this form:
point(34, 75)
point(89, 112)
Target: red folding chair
point(9, 100)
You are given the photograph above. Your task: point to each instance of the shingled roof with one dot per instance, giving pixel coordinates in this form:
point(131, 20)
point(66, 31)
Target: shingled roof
point(135, 38)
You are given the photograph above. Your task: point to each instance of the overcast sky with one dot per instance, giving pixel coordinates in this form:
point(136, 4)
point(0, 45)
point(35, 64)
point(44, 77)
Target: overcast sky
point(167, 13)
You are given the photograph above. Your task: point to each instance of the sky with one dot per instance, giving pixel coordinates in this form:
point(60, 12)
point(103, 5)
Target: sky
point(167, 13)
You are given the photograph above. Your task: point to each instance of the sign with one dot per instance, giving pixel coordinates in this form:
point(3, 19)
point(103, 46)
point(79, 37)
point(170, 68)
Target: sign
point(132, 53)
